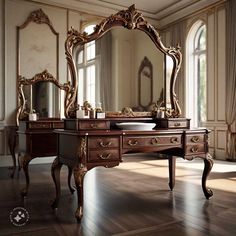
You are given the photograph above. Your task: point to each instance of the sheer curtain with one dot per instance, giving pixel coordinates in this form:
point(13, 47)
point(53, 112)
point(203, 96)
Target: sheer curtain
point(231, 79)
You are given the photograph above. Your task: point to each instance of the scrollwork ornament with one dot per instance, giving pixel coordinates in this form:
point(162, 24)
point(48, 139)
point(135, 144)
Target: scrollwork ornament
point(45, 76)
point(130, 19)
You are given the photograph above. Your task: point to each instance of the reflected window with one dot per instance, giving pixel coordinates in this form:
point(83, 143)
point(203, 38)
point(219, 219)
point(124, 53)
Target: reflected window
point(196, 84)
point(86, 64)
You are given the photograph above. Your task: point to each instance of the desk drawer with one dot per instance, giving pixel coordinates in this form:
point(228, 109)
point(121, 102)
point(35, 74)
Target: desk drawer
point(93, 125)
point(39, 125)
point(195, 149)
point(104, 155)
point(58, 125)
point(178, 124)
point(103, 142)
point(197, 138)
point(151, 141)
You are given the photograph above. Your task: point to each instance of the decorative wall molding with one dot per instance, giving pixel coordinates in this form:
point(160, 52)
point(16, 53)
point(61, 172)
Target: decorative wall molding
point(38, 17)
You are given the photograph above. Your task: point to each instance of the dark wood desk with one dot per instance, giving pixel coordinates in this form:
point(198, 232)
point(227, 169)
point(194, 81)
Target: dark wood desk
point(37, 139)
point(91, 143)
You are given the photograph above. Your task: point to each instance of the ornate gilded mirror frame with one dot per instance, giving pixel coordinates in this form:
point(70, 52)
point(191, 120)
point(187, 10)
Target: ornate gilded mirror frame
point(22, 112)
point(130, 19)
point(39, 17)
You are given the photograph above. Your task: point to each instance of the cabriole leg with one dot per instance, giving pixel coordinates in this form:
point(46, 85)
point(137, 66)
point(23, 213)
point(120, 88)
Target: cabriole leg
point(55, 171)
point(79, 173)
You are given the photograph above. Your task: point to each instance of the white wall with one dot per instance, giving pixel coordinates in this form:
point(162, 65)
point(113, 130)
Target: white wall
point(14, 13)
point(215, 19)
point(216, 74)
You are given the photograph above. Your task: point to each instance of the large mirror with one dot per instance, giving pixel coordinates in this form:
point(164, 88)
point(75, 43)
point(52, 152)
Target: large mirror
point(132, 67)
point(38, 90)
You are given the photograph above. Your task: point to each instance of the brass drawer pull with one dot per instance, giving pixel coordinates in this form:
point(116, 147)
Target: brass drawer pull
point(105, 157)
point(174, 140)
point(94, 126)
point(105, 144)
point(195, 139)
point(132, 142)
point(154, 141)
point(176, 124)
point(194, 149)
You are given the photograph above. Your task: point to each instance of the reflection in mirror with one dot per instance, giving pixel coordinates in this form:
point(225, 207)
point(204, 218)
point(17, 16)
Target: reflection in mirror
point(115, 83)
point(44, 94)
point(145, 84)
point(108, 70)
point(169, 68)
point(42, 98)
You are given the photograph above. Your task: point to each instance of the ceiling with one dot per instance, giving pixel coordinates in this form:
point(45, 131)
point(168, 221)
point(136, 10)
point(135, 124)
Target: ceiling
point(161, 12)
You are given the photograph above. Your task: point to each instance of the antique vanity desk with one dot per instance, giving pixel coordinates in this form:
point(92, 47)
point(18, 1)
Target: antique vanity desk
point(37, 140)
point(41, 99)
point(87, 143)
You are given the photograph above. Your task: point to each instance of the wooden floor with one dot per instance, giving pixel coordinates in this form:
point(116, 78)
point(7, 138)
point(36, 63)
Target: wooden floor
point(132, 199)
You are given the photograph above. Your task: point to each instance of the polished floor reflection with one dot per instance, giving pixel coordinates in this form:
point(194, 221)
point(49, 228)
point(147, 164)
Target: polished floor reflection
point(132, 199)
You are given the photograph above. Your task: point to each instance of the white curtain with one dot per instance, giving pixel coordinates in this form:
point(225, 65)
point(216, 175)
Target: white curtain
point(231, 78)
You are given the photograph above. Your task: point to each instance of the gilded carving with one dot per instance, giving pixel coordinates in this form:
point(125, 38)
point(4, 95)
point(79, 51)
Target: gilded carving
point(22, 113)
point(130, 19)
point(38, 17)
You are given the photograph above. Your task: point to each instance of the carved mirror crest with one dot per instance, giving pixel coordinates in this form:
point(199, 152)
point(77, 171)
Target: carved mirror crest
point(37, 53)
point(129, 19)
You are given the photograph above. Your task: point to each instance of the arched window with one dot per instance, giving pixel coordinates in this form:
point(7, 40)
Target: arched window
point(196, 74)
point(87, 72)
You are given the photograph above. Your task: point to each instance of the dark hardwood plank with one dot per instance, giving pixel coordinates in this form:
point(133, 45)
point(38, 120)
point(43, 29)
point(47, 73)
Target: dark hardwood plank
point(131, 199)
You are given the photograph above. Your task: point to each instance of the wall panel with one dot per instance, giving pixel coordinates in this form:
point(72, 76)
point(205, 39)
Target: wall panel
point(221, 70)
point(2, 64)
point(211, 68)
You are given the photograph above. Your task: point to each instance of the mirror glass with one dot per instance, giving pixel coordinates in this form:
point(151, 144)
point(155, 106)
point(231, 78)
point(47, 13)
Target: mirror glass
point(109, 69)
point(168, 70)
point(43, 98)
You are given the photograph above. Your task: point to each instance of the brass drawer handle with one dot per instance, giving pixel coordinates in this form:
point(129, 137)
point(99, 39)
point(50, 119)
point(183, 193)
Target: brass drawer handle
point(194, 149)
point(94, 126)
point(105, 157)
point(132, 142)
point(154, 141)
point(195, 139)
point(105, 144)
point(174, 140)
point(176, 124)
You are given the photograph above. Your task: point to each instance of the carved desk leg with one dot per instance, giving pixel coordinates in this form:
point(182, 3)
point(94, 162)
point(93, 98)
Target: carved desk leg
point(12, 146)
point(70, 170)
point(79, 173)
point(208, 164)
point(172, 165)
point(55, 171)
point(25, 160)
